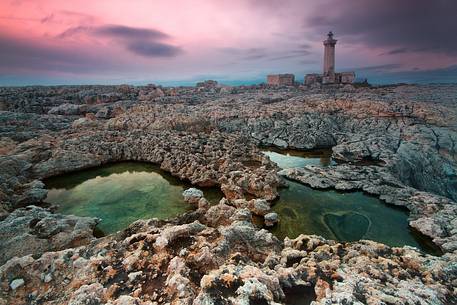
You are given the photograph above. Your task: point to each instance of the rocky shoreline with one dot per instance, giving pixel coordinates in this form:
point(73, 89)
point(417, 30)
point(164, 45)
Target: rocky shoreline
point(211, 136)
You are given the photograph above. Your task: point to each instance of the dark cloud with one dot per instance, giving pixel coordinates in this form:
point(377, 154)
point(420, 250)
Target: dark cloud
point(302, 50)
point(396, 51)
point(379, 68)
point(282, 57)
point(29, 56)
point(255, 53)
point(141, 41)
point(440, 75)
point(74, 31)
point(416, 25)
point(153, 49)
point(67, 17)
point(127, 32)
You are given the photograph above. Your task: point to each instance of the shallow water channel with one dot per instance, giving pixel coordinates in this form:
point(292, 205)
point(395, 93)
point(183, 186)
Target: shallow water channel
point(344, 216)
point(121, 193)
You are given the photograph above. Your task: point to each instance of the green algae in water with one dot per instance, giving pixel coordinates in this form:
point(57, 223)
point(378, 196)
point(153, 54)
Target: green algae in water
point(348, 226)
point(121, 193)
point(341, 216)
point(347, 216)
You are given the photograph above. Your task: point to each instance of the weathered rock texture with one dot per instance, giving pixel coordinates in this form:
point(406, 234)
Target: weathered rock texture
point(396, 142)
point(233, 263)
point(34, 230)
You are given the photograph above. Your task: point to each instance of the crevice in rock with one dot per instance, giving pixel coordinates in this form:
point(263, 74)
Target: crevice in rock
point(299, 295)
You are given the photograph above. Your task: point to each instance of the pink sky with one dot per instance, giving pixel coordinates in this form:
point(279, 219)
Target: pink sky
point(145, 41)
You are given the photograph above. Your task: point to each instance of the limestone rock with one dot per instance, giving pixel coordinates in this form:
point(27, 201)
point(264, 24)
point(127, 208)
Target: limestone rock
point(67, 109)
point(271, 219)
point(192, 195)
point(15, 284)
point(34, 230)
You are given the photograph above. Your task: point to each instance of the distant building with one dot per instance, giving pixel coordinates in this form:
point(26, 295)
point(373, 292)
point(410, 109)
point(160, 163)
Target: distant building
point(313, 79)
point(330, 76)
point(281, 79)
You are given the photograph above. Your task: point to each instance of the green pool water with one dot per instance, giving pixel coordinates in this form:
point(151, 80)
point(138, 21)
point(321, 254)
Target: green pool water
point(121, 193)
point(294, 158)
point(343, 216)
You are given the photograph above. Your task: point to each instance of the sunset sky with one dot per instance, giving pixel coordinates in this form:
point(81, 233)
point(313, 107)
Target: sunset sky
point(234, 41)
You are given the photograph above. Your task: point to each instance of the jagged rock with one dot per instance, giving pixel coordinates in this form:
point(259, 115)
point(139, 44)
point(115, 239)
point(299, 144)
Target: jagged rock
point(104, 113)
point(34, 230)
point(150, 92)
point(88, 294)
point(7, 145)
point(271, 219)
point(257, 206)
point(68, 109)
point(172, 233)
point(219, 214)
point(192, 195)
point(83, 122)
point(15, 284)
point(396, 142)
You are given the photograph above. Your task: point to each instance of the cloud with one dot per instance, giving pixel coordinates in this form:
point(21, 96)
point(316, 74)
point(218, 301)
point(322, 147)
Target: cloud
point(32, 56)
point(439, 75)
point(126, 32)
point(140, 41)
point(249, 54)
point(67, 18)
point(47, 19)
point(287, 56)
point(379, 68)
point(153, 49)
point(417, 25)
point(245, 54)
point(396, 51)
point(70, 32)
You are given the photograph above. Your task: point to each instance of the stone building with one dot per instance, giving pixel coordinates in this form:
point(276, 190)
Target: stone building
point(281, 79)
point(330, 76)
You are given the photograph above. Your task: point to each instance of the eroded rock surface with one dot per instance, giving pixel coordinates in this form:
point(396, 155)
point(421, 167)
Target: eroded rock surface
point(233, 263)
point(398, 143)
point(35, 230)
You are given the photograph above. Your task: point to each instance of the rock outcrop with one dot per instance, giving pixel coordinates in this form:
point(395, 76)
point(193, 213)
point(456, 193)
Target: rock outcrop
point(395, 142)
point(232, 263)
point(35, 230)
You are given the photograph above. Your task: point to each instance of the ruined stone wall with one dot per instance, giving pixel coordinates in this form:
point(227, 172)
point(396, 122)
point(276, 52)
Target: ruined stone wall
point(347, 77)
point(312, 79)
point(281, 80)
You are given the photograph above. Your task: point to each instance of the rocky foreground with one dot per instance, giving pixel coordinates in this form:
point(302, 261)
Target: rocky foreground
point(398, 143)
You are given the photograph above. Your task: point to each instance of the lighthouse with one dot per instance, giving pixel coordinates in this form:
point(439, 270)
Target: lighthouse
point(330, 76)
point(329, 59)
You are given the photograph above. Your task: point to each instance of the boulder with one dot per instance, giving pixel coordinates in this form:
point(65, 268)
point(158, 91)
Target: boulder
point(271, 219)
point(192, 195)
point(15, 284)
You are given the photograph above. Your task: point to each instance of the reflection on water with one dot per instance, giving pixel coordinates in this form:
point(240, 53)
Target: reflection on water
point(121, 193)
point(337, 215)
point(294, 158)
point(341, 216)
